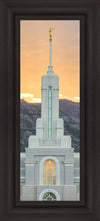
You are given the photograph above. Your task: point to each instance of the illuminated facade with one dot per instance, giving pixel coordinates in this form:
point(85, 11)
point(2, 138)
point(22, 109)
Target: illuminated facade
point(49, 167)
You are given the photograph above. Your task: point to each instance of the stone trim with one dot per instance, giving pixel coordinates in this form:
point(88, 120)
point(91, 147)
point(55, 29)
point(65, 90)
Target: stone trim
point(68, 162)
point(77, 179)
point(30, 163)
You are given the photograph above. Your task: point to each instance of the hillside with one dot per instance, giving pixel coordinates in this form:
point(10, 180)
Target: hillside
point(68, 110)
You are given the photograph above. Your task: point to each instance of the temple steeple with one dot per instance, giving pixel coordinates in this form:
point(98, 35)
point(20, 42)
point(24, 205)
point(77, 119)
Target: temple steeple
point(50, 56)
point(50, 67)
point(50, 101)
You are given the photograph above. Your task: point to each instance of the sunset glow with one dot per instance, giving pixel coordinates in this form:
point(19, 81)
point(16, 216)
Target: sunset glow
point(34, 58)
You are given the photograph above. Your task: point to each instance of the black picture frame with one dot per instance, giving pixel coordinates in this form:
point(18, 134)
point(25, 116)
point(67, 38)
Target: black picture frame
point(88, 207)
point(81, 19)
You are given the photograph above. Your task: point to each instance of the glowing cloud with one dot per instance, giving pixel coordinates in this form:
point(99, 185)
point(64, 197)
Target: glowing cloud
point(26, 95)
point(31, 99)
point(76, 98)
point(61, 96)
point(36, 100)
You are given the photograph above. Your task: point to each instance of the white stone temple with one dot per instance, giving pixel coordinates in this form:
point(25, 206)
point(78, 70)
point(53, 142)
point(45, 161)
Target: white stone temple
point(49, 166)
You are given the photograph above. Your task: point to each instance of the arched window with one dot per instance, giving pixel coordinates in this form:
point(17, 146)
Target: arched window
point(49, 172)
point(49, 197)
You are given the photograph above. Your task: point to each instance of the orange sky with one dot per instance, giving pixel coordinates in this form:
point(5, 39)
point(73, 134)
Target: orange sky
point(34, 57)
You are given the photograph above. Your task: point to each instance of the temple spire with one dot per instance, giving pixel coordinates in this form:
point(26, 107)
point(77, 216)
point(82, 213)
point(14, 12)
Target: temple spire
point(50, 67)
point(50, 55)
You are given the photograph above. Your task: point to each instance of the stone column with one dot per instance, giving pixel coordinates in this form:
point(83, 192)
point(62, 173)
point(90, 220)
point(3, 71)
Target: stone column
point(69, 172)
point(29, 172)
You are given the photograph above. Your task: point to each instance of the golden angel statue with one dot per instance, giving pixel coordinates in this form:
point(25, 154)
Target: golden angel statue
point(50, 33)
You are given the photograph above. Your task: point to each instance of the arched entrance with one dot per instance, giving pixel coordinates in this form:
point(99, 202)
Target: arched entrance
point(49, 195)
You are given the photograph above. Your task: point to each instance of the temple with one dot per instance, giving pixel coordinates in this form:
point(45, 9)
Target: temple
point(49, 166)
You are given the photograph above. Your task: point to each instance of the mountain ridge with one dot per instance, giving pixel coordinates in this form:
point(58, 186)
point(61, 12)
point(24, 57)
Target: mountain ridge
point(68, 110)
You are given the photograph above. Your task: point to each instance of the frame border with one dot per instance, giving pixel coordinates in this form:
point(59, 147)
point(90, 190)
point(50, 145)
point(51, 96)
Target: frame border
point(9, 210)
point(82, 116)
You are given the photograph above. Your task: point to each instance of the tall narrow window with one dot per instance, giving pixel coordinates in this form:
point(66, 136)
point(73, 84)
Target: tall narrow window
point(49, 173)
point(50, 113)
